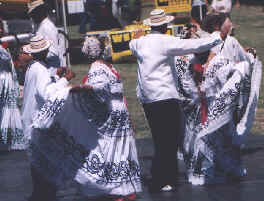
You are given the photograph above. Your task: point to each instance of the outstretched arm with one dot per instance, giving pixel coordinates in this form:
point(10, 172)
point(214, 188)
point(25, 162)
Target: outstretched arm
point(180, 47)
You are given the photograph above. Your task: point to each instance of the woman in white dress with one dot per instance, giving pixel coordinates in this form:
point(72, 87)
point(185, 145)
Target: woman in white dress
point(85, 134)
point(11, 132)
point(231, 49)
point(219, 103)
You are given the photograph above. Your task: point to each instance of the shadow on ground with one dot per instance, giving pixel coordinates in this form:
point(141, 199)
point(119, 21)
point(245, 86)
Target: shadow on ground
point(16, 182)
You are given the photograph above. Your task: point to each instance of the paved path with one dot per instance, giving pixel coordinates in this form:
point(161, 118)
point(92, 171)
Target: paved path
point(15, 181)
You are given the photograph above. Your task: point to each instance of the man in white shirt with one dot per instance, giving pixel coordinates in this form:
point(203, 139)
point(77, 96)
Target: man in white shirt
point(38, 11)
point(38, 88)
point(157, 90)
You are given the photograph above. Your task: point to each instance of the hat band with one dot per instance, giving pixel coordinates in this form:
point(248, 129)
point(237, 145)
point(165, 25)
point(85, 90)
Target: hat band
point(38, 45)
point(158, 16)
point(158, 19)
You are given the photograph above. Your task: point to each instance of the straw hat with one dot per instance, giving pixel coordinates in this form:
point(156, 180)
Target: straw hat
point(34, 4)
point(37, 44)
point(158, 17)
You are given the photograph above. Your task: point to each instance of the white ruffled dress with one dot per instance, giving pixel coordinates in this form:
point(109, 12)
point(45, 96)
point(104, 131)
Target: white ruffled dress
point(11, 132)
point(88, 137)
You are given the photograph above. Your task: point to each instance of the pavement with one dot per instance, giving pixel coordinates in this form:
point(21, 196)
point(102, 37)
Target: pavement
point(15, 180)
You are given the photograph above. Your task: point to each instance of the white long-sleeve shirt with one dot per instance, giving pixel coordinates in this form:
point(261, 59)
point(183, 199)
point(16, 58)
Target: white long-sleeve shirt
point(50, 32)
point(38, 88)
point(155, 53)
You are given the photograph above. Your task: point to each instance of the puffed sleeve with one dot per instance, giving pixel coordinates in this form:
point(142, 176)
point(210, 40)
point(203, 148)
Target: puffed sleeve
point(44, 85)
point(242, 67)
point(212, 85)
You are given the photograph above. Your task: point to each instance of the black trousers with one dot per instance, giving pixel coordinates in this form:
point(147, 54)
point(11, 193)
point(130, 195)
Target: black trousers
point(165, 119)
point(43, 190)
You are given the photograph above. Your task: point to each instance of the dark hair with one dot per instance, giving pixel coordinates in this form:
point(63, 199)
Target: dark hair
point(39, 13)
point(40, 56)
point(162, 28)
point(213, 22)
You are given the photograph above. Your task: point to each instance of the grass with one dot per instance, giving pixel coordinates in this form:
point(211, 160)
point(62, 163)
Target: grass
point(248, 21)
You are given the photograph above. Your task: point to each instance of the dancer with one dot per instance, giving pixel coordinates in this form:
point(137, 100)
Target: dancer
point(11, 131)
point(158, 92)
point(220, 102)
point(85, 134)
point(38, 87)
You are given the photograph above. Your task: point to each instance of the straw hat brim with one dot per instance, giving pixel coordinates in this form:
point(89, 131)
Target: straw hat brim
point(32, 6)
point(167, 20)
point(29, 50)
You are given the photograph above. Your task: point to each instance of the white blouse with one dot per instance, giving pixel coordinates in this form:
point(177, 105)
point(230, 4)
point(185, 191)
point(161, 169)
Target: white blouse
point(55, 57)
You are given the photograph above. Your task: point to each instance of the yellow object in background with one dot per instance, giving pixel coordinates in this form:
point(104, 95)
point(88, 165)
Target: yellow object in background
point(118, 40)
point(174, 6)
